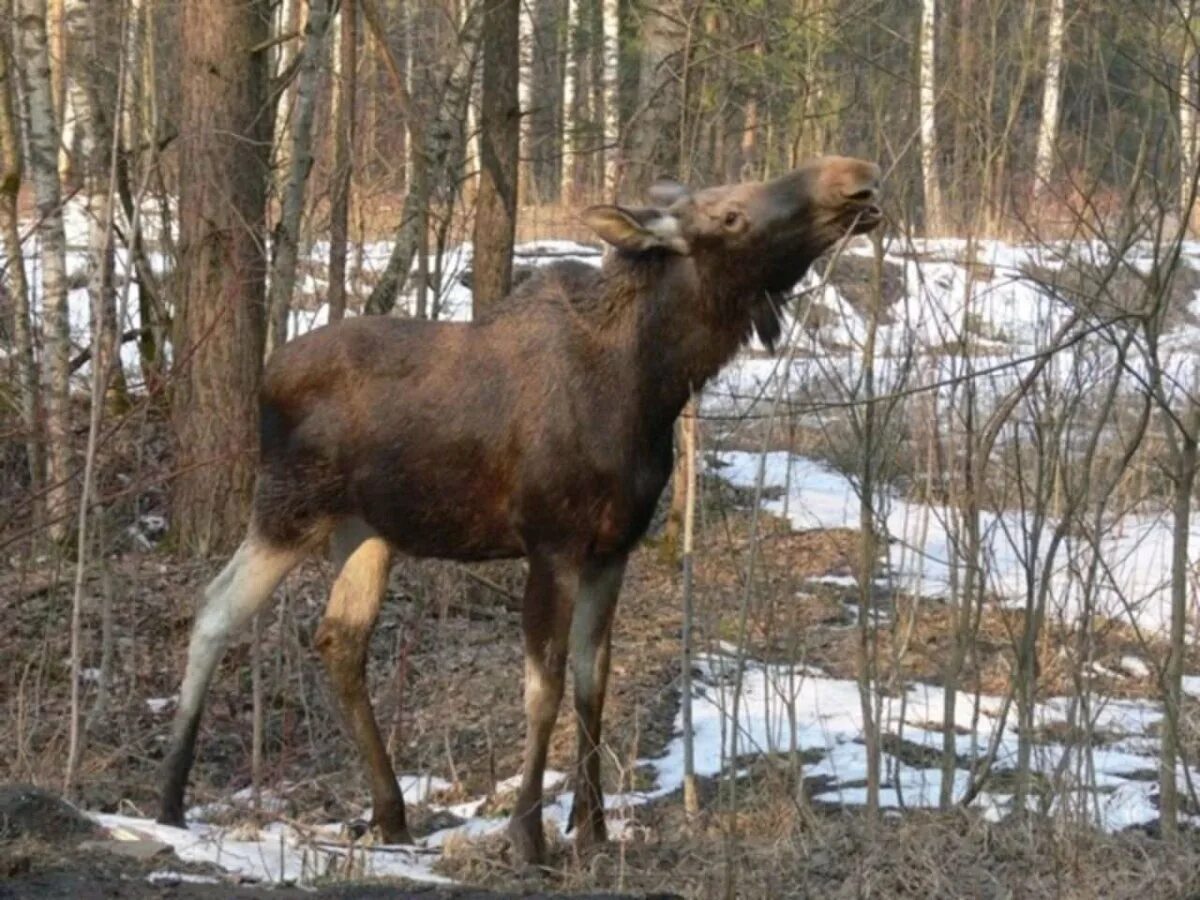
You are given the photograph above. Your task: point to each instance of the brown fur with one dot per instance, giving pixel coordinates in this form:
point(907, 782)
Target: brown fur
point(543, 430)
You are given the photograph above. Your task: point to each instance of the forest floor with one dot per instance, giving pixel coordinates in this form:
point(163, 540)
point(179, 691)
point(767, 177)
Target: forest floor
point(446, 675)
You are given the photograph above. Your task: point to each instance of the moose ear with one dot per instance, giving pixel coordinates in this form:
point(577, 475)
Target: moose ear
point(636, 231)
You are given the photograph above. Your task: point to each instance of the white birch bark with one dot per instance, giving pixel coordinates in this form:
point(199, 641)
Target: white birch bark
point(1187, 125)
point(1043, 166)
point(610, 10)
point(42, 129)
point(570, 74)
point(927, 90)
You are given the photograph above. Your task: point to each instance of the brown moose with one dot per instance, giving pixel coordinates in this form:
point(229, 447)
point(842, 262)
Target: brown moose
point(542, 430)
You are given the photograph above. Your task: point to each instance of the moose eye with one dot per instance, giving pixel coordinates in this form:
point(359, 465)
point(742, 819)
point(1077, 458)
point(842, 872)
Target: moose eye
point(732, 218)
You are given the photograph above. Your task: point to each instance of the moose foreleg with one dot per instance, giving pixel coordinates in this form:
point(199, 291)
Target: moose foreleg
point(546, 622)
point(342, 639)
point(591, 639)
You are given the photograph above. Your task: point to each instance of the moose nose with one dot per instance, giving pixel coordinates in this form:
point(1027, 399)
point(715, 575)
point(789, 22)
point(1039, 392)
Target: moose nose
point(864, 188)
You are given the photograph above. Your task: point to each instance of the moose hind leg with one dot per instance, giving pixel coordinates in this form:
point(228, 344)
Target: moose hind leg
point(241, 589)
point(546, 622)
point(591, 638)
point(343, 639)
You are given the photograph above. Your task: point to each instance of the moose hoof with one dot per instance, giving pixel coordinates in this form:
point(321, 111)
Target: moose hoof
point(391, 830)
point(528, 842)
point(588, 823)
point(171, 814)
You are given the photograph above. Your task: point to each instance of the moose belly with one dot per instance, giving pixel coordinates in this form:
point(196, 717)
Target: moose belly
point(440, 512)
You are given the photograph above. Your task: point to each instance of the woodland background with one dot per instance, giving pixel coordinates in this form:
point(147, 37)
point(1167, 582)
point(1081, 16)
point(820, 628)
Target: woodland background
point(180, 180)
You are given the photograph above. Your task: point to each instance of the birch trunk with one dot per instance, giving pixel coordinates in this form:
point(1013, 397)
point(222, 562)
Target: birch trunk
point(1187, 126)
point(610, 10)
point(93, 42)
point(343, 159)
point(11, 171)
point(1043, 166)
point(570, 89)
point(42, 133)
point(287, 232)
point(927, 91)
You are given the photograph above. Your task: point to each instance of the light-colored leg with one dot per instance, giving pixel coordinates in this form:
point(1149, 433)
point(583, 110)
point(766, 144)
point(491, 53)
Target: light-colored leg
point(591, 638)
point(230, 600)
point(343, 639)
point(546, 622)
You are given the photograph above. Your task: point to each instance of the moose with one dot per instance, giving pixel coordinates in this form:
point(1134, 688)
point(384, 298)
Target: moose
point(544, 430)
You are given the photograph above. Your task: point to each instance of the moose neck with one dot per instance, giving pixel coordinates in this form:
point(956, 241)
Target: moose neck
point(684, 330)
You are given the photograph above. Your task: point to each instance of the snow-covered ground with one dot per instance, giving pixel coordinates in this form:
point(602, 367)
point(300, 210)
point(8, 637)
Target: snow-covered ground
point(1133, 582)
point(1112, 785)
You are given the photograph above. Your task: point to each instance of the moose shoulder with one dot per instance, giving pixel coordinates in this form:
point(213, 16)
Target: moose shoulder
point(543, 430)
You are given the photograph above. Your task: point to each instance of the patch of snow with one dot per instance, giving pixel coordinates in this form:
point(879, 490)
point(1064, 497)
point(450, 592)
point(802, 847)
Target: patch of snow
point(1136, 549)
point(168, 877)
point(1135, 666)
point(158, 705)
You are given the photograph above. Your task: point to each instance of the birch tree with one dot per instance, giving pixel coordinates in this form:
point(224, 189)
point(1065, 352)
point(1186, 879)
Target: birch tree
point(287, 231)
point(927, 92)
point(1043, 165)
point(570, 96)
point(42, 137)
point(1187, 121)
point(610, 11)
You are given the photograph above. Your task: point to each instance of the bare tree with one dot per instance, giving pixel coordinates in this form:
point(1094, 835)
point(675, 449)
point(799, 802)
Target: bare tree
point(42, 136)
point(930, 169)
point(224, 160)
point(1043, 165)
point(11, 170)
point(343, 159)
point(654, 137)
point(1187, 121)
point(287, 230)
point(496, 211)
point(545, 100)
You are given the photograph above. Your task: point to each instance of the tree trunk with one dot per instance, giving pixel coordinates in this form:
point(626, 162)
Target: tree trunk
point(1185, 462)
point(1187, 127)
point(287, 232)
point(343, 161)
point(431, 144)
point(94, 42)
point(654, 141)
point(928, 103)
point(42, 135)
point(26, 377)
point(545, 100)
point(224, 170)
point(610, 11)
point(570, 94)
point(1043, 165)
point(496, 211)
